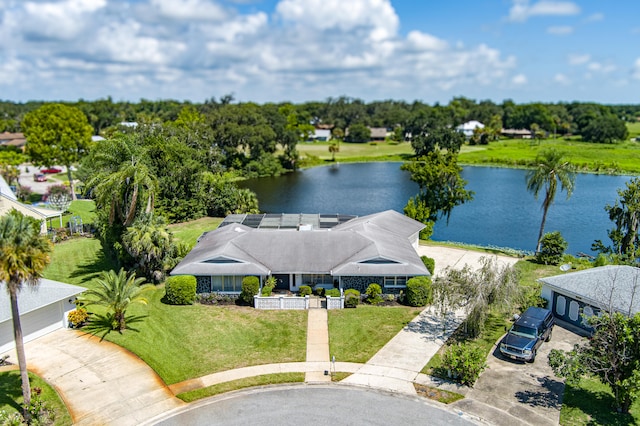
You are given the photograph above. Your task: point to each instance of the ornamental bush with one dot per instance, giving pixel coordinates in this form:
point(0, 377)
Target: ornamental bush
point(374, 294)
point(552, 247)
point(418, 292)
point(430, 263)
point(305, 290)
point(180, 290)
point(351, 298)
point(334, 292)
point(320, 291)
point(464, 363)
point(250, 287)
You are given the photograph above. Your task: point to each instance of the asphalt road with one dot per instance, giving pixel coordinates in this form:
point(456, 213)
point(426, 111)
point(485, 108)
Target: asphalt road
point(334, 405)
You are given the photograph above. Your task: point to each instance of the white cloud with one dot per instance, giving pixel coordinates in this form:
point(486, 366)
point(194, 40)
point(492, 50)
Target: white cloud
point(601, 68)
point(579, 59)
point(426, 41)
point(519, 79)
point(560, 30)
point(595, 17)
point(561, 79)
point(189, 9)
point(59, 21)
point(521, 10)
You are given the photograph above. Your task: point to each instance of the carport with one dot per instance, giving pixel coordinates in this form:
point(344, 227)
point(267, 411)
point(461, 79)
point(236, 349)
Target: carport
point(43, 309)
point(575, 296)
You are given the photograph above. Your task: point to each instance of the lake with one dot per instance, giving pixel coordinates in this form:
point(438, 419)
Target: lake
point(502, 214)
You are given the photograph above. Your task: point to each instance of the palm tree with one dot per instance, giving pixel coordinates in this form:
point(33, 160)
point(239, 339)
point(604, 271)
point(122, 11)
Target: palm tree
point(117, 291)
point(125, 191)
point(550, 170)
point(24, 253)
point(151, 245)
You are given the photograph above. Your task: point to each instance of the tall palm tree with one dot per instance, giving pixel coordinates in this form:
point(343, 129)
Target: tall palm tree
point(126, 191)
point(117, 291)
point(150, 244)
point(24, 253)
point(551, 169)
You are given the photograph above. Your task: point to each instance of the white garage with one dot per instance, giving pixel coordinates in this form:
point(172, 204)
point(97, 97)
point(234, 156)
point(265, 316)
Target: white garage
point(575, 296)
point(43, 309)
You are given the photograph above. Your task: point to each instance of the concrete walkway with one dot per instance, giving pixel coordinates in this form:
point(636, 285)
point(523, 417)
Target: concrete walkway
point(100, 382)
point(103, 384)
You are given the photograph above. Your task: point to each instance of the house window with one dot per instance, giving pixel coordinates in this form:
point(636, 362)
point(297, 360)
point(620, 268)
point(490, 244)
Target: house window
point(314, 279)
point(231, 283)
point(574, 310)
point(391, 282)
point(561, 305)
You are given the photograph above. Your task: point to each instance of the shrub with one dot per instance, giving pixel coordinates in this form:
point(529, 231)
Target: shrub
point(552, 247)
point(250, 287)
point(269, 285)
point(418, 292)
point(374, 294)
point(320, 291)
point(180, 290)
point(77, 317)
point(334, 292)
point(305, 290)
point(390, 297)
point(464, 363)
point(351, 298)
point(430, 263)
point(266, 291)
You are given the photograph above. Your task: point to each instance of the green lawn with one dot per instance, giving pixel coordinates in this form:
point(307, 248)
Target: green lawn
point(11, 396)
point(355, 335)
point(264, 380)
point(594, 157)
point(188, 232)
point(77, 261)
point(184, 342)
point(590, 403)
point(317, 153)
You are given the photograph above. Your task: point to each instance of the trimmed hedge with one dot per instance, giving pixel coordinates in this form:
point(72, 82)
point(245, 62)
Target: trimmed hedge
point(334, 292)
point(374, 294)
point(351, 298)
point(419, 291)
point(250, 287)
point(305, 290)
point(430, 263)
point(180, 290)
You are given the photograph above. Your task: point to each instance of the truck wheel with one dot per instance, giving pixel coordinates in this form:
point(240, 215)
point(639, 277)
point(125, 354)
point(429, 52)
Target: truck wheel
point(533, 357)
point(548, 336)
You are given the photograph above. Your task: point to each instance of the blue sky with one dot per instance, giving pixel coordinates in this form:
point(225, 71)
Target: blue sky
point(303, 50)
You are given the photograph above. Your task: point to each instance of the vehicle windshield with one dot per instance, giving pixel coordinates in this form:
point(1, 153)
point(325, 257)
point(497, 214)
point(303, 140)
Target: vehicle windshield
point(523, 331)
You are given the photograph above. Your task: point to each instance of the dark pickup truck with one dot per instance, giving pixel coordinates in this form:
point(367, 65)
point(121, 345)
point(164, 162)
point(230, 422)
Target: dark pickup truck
point(527, 334)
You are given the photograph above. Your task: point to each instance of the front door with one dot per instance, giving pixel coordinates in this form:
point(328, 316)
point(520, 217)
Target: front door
point(282, 281)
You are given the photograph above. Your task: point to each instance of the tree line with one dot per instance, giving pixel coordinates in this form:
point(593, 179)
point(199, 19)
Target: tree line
point(576, 118)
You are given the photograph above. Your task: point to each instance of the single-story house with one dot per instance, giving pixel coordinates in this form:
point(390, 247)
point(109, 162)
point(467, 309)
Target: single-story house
point(516, 133)
point(379, 133)
point(575, 296)
point(43, 309)
point(13, 139)
point(307, 249)
point(8, 203)
point(468, 127)
point(320, 135)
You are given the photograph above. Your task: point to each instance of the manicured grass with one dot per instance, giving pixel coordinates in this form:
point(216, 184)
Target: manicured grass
point(634, 129)
point(591, 403)
point(188, 232)
point(86, 209)
point(316, 153)
point(11, 396)
point(184, 342)
point(264, 380)
point(77, 261)
point(355, 335)
point(615, 158)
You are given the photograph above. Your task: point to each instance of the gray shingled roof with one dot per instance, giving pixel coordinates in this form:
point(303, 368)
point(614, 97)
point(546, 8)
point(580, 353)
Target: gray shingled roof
point(608, 287)
point(239, 250)
point(32, 298)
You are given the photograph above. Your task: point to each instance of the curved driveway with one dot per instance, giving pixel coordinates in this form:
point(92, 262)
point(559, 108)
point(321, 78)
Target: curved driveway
point(317, 404)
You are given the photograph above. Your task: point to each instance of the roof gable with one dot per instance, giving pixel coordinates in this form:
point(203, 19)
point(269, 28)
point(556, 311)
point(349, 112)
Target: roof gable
point(45, 293)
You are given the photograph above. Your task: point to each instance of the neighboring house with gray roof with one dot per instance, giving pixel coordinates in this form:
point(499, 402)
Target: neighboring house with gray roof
point(340, 251)
point(43, 309)
point(575, 296)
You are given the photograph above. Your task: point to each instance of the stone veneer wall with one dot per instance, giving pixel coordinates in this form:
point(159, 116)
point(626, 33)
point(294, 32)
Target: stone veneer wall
point(203, 284)
point(361, 283)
